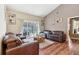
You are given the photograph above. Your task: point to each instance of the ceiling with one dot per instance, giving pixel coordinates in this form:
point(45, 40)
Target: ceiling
point(34, 9)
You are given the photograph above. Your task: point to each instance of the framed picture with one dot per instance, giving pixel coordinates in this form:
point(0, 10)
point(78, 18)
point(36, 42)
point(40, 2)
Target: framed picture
point(12, 19)
point(59, 20)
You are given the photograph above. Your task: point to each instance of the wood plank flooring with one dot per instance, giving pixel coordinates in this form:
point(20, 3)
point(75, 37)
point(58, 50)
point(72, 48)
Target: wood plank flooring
point(58, 49)
point(54, 49)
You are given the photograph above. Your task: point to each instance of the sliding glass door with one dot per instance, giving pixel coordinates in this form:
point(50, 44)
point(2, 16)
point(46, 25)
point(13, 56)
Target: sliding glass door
point(30, 28)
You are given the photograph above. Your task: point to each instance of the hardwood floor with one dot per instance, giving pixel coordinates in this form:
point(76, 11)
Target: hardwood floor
point(59, 49)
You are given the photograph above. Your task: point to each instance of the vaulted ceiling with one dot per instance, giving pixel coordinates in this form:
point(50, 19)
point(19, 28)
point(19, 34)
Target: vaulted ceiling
point(34, 9)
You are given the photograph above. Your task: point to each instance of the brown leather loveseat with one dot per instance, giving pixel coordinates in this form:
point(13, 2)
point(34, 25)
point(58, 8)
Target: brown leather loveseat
point(14, 46)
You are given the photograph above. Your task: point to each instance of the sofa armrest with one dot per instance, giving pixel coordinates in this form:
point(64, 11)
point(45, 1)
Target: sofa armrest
point(24, 49)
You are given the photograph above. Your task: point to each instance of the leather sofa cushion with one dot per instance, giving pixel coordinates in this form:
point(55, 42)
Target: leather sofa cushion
point(11, 43)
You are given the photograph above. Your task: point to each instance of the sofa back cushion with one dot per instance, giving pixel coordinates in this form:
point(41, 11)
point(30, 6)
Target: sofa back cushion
point(58, 32)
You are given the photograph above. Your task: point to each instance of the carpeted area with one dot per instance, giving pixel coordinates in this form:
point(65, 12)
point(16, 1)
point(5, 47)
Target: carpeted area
point(45, 44)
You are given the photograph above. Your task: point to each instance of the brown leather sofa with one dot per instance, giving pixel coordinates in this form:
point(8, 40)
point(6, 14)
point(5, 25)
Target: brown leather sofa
point(24, 49)
point(14, 46)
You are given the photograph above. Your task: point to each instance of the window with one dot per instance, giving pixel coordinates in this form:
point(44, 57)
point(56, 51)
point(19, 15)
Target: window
point(30, 28)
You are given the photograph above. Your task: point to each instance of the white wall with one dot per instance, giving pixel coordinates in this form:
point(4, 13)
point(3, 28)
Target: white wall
point(64, 11)
point(20, 18)
point(2, 23)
